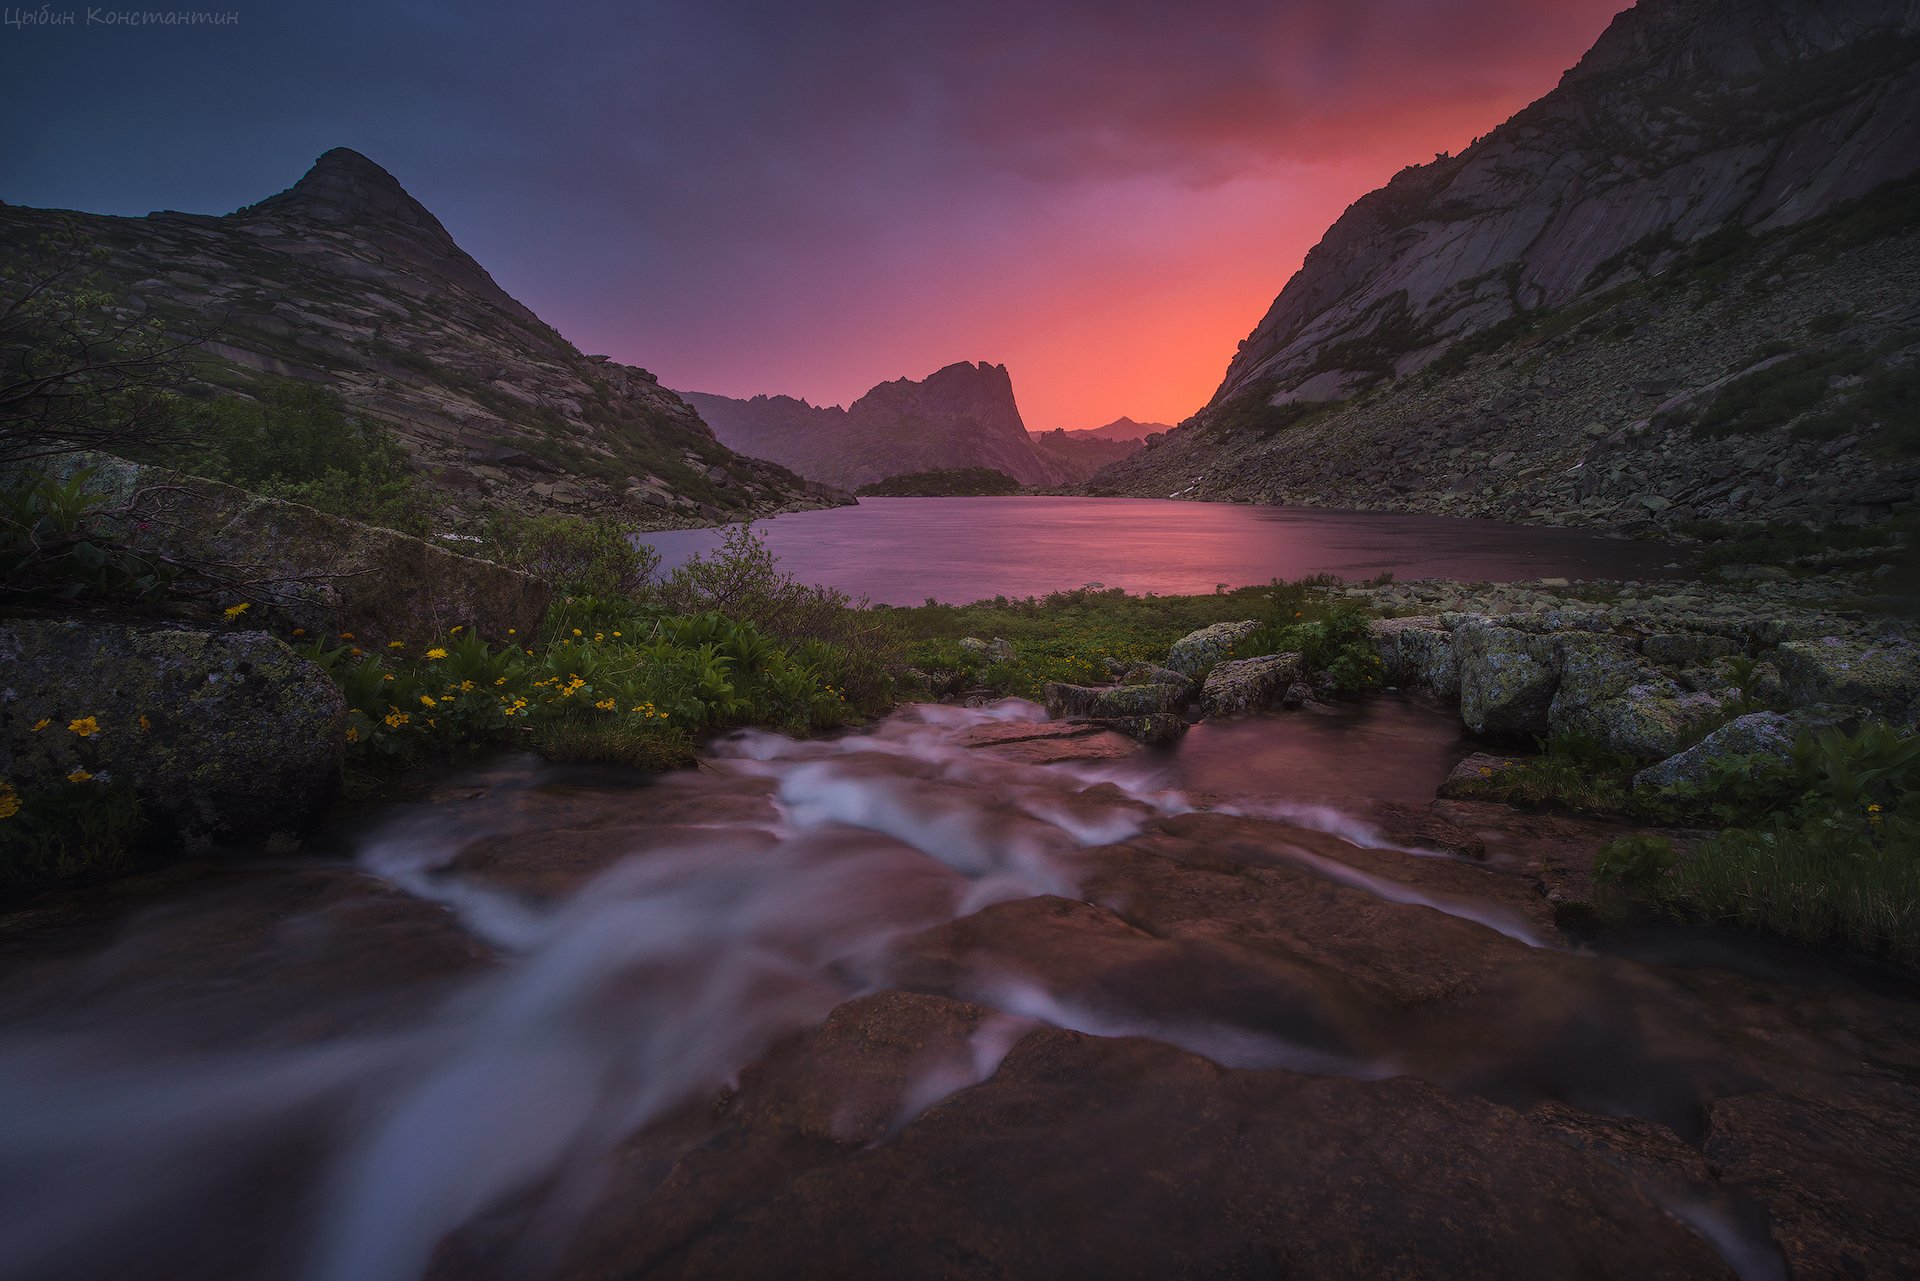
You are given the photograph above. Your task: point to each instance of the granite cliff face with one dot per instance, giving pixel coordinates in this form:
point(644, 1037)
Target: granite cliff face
point(347, 280)
point(1572, 319)
point(961, 416)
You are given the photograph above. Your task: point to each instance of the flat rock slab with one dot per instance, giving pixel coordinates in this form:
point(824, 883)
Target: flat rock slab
point(1094, 1157)
point(1050, 742)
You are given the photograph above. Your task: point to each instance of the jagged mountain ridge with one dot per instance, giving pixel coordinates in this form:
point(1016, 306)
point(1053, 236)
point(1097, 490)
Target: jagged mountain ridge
point(1533, 329)
point(1121, 428)
point(960, 416)
point(345, 279)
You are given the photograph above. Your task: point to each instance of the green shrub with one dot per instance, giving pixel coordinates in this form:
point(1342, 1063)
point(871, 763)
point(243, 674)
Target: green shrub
point(578, 555)
point(71, 831)
point(299, 442)
point(60, 545)
point(1825, 847)
point(1634, 861)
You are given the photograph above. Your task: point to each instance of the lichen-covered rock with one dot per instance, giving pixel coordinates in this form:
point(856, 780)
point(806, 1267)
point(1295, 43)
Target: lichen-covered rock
point(1594, 668)
point(1755, 734)
point(1111, 701)
point(1474, 774)
point(1507, 680)
point(1242, 685)
point(1197, 651)
point(1687, 649)
point(1883, 676)
point(1418, 653)
point(999, 650)
point(225, 736)
point(1652, 721)
point(1152, 674)
point(321, 572)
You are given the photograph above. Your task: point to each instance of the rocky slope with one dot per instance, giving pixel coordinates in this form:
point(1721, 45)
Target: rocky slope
point(345, 279)
point(1082, 453)
point(961, 416)
point(1569, 321)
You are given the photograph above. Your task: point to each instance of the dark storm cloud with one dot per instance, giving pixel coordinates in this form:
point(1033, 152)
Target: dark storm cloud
point(674, 178)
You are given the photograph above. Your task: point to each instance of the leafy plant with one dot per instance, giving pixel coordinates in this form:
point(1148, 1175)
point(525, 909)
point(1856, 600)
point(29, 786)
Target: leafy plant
point(59, 544)
point(1634, 861)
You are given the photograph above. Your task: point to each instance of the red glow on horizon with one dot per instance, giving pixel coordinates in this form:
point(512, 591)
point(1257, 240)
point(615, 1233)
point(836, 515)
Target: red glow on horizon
point(1125, 296)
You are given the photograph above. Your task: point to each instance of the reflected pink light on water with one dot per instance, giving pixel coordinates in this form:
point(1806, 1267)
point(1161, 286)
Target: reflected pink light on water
point(900, 551)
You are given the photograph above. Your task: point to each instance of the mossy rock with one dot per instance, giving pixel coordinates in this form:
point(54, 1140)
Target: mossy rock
point(1111, 701)
point(1197, 651)
point(225, 737)
point(1243, 685)
point(313, 570)
point(1507, 680)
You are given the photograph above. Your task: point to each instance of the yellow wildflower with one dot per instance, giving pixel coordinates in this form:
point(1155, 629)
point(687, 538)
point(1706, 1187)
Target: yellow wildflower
point(78, 776)
point(396, 718)
point(145, 724)
point(299, 631)
point(9, 801)
point(427, 700)
point(41, 724)
point(388, 676)
point(456, 631)
point(346, 635)
point(436, 652)
point(353, 735)
point(234, 611)
point(396, 644)
point(605, 704)
point(84, 726)
point(513, 631)
point(499, 680)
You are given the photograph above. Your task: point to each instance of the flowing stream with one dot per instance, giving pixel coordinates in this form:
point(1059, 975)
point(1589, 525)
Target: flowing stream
point(320, 1070)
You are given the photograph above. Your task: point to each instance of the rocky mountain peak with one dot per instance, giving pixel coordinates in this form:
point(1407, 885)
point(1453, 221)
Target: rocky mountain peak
point(345, 187)
point(346, 192)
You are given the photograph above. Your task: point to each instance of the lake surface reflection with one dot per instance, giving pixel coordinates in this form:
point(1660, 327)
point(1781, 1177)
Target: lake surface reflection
point(900, 551)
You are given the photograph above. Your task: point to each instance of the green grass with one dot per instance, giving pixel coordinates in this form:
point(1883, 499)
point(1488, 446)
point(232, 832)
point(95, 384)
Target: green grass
point(1848, 887)
point(1070, 636)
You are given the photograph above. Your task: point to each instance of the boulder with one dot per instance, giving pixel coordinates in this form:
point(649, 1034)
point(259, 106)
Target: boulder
point(1594, 668)
point(1100, 702)
point(1417, 652)
point(1472, 775)
point(1653, 721)
point(1243, 685)
point(1687, 649)
point(1507, 680)
point(1150, 674)
point(1883, 676)
point(224, 736)
point(1197, 651)
point(1755, 734)
point(1000, 650)
point(313, 570)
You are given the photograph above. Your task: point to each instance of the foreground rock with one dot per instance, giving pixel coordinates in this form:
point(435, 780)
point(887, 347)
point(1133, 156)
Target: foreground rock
point(223, 737)
point(313, 570)
point(1253, 1173)
point(1243, 685)
point(1197, 651)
